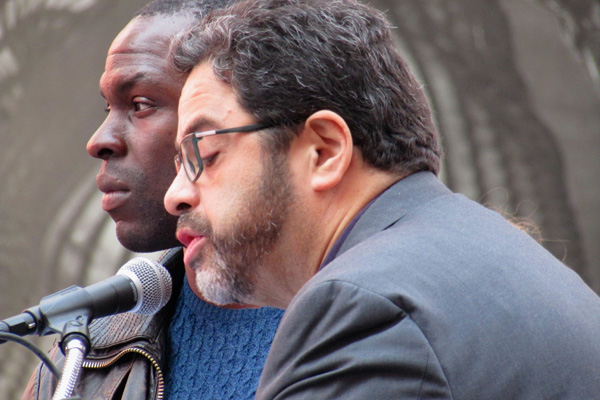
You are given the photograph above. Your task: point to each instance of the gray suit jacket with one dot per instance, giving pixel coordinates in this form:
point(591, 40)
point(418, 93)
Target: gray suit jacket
point(433, 296)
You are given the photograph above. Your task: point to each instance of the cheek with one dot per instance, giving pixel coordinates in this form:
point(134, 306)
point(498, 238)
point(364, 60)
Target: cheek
point(156, 163)
point(223, 205)
point(228, 197)
point(227, 190)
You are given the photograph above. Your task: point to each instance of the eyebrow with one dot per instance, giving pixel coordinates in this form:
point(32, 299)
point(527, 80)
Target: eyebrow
point(199, 125)
point(126, 85)
point(131, 82)
point(195, 126)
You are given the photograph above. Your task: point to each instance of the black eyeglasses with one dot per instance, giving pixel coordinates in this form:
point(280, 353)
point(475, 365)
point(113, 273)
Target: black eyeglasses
point(189, 155)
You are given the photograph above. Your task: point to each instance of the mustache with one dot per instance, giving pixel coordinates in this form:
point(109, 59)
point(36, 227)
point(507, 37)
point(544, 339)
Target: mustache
point(195, 223)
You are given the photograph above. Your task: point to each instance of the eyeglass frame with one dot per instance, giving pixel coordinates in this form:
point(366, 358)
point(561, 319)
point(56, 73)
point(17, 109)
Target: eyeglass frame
point(197, 136)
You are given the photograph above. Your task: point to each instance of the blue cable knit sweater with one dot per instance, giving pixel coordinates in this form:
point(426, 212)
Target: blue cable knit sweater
point(216, 353)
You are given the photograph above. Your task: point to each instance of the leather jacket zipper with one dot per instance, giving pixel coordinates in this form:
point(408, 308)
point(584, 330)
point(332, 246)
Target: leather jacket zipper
point(160, 389)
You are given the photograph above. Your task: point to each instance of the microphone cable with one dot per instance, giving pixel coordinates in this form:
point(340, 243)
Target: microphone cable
point(11, 337)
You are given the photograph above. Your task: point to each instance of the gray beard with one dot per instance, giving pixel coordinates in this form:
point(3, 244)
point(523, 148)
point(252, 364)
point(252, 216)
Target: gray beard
point(229, 267)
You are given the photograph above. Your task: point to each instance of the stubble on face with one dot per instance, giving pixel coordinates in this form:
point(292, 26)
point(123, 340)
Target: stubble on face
point(228, 268)
point(136, 145)
point(145, 224)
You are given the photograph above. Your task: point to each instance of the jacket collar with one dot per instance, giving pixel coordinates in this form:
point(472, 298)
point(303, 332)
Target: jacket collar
point(394, 203)
point(126, 327)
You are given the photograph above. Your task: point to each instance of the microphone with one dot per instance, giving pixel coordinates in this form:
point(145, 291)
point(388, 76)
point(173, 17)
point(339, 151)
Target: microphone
point(141, 286)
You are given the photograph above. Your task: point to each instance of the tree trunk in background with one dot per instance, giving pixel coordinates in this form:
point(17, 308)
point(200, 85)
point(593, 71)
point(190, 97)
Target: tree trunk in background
point(464, 51)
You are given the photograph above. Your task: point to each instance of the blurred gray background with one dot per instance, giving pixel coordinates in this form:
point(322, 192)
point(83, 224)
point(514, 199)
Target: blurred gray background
point(515, 86)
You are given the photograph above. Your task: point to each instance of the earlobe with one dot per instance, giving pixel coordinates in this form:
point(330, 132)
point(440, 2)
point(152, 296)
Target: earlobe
point(331, 146)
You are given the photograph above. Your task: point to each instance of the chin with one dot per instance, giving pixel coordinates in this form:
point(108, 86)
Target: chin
point(137, 247)
point(213, 289)
point(221, 288)
point(139, 243)
point(140, 240)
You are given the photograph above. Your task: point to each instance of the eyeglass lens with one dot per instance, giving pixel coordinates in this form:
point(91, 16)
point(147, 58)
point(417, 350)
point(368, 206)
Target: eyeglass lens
point(192, 163)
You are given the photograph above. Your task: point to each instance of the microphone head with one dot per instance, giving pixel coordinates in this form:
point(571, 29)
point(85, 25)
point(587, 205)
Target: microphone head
point(152, 282)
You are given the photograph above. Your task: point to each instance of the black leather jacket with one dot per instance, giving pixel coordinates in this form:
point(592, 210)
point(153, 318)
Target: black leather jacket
point(126, 359)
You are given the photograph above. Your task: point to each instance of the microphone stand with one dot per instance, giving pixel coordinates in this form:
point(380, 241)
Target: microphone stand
point(75, 344)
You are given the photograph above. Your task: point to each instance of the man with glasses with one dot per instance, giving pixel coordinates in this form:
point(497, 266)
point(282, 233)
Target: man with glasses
point(191, 349)
point(307, 181)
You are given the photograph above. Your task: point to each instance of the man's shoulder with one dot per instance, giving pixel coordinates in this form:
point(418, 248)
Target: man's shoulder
point(125, 328)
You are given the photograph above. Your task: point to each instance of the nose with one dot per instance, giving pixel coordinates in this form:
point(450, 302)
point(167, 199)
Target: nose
point(182, 196)
point(107, 142)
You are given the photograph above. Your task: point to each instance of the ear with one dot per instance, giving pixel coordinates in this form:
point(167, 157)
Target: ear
point(331, 148)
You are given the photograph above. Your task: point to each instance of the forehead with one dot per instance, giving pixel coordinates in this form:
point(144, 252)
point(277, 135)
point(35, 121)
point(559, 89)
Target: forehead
point(151, 35)
point(141, 51)
point(208, 103)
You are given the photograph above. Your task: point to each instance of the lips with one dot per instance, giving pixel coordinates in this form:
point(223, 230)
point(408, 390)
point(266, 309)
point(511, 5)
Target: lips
point(115, 192)
point(193, 243)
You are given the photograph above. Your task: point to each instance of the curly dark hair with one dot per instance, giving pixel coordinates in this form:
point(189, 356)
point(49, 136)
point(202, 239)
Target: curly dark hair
point(286, 59)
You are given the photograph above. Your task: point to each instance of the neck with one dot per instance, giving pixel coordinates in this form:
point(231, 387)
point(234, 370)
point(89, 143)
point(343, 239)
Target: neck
point(315, 226)
point(360, 189)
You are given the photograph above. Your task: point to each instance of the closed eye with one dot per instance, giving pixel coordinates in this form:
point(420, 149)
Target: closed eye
point(209, 161)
